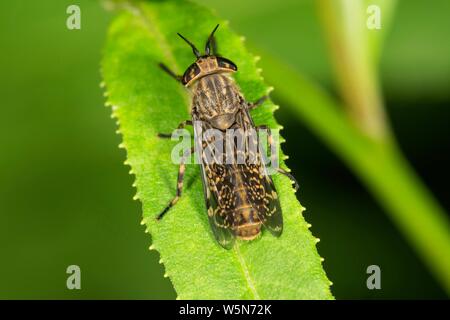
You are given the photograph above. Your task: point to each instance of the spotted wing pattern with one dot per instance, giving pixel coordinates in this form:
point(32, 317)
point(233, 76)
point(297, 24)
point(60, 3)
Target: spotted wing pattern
point(259, 186)
point(239, 197)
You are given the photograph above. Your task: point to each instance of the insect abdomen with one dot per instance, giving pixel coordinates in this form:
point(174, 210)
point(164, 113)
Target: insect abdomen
point(249, 227)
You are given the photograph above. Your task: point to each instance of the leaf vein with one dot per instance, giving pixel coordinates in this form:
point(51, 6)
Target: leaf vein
point(247, 276)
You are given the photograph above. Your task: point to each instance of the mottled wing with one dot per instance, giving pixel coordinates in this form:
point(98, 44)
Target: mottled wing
point(217, 193)
point(260, 188)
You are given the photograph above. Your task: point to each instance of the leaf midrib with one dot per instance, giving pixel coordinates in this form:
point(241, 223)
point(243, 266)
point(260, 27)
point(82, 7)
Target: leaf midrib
point(247, 276)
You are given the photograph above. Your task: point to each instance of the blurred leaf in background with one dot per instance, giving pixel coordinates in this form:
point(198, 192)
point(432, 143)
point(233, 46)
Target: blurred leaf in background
point(65, 193)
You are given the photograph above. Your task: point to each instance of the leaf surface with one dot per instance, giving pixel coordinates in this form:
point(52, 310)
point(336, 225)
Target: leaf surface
point(146, 101)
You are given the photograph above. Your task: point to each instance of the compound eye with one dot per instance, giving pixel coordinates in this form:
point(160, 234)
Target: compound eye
point(224, 63)
point(191, 73)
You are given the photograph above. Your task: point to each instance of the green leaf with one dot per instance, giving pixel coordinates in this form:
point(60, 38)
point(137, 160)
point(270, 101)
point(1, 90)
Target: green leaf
point(146, 101)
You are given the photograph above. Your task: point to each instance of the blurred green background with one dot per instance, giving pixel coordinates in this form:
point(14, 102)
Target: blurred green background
point(66, 197)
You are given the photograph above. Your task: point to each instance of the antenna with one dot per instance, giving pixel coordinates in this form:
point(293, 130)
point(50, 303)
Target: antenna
point(194, 49)
point(208, 43)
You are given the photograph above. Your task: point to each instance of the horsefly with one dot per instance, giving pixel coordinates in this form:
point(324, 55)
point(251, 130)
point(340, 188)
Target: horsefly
point(239, 193)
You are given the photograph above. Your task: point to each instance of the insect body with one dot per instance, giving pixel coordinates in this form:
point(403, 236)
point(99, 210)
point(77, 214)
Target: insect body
point(240, 195)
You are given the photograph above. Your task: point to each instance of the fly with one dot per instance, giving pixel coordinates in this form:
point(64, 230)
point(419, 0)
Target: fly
point(240, 196)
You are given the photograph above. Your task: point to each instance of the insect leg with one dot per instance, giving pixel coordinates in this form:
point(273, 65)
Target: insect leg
point(182, 125)
point(170, 72)
point(273, 156)
point(257, 103)
point(181, 171)
point(290, 176)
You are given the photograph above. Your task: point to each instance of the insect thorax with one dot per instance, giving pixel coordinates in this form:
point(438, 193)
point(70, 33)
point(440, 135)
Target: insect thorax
point(216, 99)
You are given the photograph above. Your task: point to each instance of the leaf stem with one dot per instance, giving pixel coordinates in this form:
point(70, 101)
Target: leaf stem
point(355, 51)
point(344, 23)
